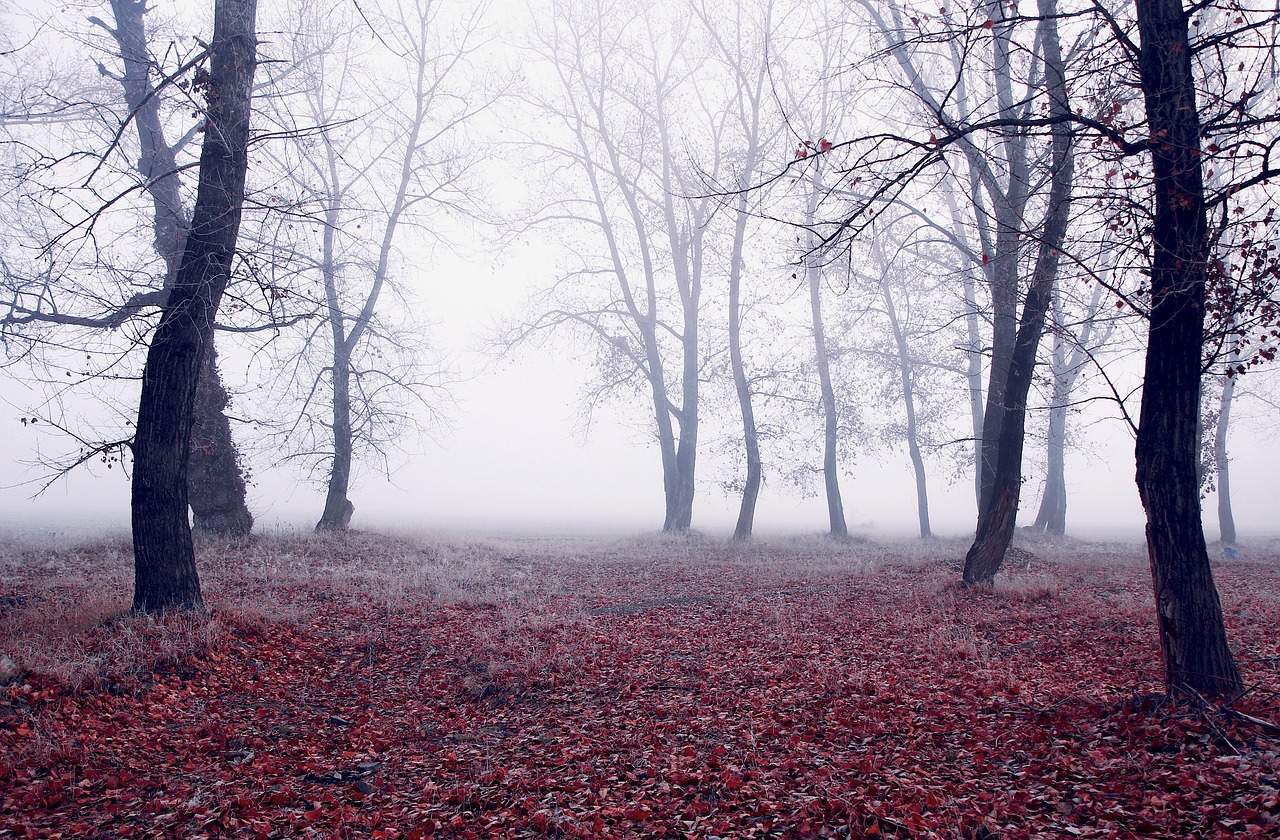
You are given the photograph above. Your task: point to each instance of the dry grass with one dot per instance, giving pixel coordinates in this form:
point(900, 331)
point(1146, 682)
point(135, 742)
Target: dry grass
point(64, 602)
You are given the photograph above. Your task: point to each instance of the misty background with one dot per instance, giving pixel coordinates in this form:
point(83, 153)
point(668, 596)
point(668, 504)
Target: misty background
point(522, 439)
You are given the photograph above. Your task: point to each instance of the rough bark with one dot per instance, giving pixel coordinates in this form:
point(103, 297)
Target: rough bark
point(1193, 639)
point(215, 483)
point(998, 518)
point(164, 555)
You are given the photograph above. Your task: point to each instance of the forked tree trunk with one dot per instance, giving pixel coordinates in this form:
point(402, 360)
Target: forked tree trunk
point(997, 521)
point(215, 484)
point(164, 556)
point(1193, 639)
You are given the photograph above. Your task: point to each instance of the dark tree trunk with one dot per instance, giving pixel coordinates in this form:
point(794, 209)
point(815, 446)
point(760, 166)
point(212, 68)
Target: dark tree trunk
point(1009, 209)
point(164, 556)
point(997, 520)
point(1193, 639)
point(215, 484)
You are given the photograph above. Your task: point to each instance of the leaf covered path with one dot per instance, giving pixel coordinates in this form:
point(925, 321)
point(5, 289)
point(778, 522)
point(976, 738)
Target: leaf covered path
point(371, 687)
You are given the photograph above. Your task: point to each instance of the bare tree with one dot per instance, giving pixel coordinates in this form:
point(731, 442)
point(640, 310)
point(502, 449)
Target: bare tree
point(377, 116)
point(1065, 370)
point(635, 121)
point(164, 557)
point(151, 94)
point(744, 49)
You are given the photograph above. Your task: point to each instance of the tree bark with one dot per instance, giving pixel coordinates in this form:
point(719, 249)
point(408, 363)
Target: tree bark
point(215, 483)
point(164, 555)
point(997, 521)
point(1193, 638)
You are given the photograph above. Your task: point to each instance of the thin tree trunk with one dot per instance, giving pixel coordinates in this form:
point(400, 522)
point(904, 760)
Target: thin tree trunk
point(1052, 516)
point(830, 415)
point(215, 483)
point(1226, 519)
point(909, 403)
point(750, 438)
point(338, 509)
point(1193, 638)
point(997, 520)
point(164, 555)
point(822, 360)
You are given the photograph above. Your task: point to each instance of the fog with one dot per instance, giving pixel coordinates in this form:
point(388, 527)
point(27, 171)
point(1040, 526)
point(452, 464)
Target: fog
point(509, 448)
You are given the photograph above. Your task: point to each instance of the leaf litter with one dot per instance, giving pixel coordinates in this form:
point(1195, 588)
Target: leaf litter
point(405, 687)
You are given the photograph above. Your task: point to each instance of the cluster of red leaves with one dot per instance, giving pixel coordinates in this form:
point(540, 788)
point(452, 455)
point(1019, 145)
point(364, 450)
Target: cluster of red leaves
point(671, 692)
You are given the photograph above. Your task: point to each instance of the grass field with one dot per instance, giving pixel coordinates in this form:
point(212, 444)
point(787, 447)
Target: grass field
point(409, 687)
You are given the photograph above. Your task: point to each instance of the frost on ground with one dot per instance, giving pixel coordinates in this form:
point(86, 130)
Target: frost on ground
point(408, 687)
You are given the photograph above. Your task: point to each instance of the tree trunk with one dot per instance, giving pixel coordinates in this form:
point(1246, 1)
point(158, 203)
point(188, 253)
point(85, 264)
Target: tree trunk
point(909, 403)
point(1226, 519)
point(164, 556)
point(830, 416)
point(822, 360)
point(337, 507)
point(1052, 516)
point(215, 484)
point(679, 516)
point(1009, 210)
point(750, 438)
point(1193, 639)
point(997, 520)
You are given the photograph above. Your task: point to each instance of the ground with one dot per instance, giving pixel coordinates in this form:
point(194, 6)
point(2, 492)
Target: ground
point(368, 686)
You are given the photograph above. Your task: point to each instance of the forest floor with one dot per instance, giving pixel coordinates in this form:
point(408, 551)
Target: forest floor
point(371, 686)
